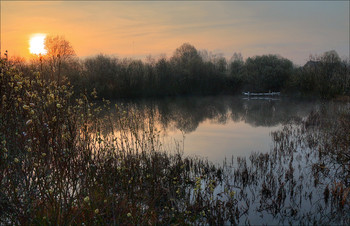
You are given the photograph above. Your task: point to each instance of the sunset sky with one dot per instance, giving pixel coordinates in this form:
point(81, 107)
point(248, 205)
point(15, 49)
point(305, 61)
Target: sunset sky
point(293, 29)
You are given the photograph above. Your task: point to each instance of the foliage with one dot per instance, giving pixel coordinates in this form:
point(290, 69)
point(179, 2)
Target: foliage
point(267, 73)
point(325, 76)
point(190, 72)
point(184, 74)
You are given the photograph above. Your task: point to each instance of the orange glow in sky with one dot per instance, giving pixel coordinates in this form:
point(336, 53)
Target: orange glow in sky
point(37, 44)
point(136, 29)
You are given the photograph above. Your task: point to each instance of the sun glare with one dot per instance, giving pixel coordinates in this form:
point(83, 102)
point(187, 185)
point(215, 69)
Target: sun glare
point(37, 44)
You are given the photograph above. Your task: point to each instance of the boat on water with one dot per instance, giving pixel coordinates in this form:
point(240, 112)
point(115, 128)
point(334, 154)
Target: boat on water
point(261, 94)
point(269, 98)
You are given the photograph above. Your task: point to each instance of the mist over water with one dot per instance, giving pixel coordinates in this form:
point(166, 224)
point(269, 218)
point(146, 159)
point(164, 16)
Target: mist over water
point(219, 127)
point(270, 157)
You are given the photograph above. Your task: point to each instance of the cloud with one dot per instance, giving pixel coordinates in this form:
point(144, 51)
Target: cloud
point(134, 27)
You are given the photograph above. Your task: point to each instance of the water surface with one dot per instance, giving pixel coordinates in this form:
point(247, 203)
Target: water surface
point(220, 127)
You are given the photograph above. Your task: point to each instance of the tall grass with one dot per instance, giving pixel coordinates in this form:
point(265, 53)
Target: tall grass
point(305, 177)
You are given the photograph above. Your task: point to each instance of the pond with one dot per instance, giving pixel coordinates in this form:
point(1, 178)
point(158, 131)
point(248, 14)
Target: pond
point(220, 127)
point(279, 156)
point(201, 160)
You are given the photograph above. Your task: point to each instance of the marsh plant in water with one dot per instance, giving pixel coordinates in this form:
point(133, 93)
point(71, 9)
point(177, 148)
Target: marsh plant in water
point(59, 166)
point(304, 179)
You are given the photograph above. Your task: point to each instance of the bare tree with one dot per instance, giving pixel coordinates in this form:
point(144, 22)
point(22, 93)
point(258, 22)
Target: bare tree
point(59, 51)
point(236, 57)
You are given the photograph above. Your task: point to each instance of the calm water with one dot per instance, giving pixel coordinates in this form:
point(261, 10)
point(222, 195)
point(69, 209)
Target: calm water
point(220, 127)
point(288, 184)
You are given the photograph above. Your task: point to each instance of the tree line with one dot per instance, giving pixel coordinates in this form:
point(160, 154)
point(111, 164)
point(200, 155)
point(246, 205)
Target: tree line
point(191, 72)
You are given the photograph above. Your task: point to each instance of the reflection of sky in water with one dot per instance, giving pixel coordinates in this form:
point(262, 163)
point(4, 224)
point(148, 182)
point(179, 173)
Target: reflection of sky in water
point(217, 141)
point(277, 188)
point(219, 127)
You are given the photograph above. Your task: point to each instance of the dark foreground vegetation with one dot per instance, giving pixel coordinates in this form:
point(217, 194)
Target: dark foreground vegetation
point(191, 72)
point(57, 166)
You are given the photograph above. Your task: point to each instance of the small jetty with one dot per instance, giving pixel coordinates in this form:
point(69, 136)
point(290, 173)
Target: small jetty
point(261, 94)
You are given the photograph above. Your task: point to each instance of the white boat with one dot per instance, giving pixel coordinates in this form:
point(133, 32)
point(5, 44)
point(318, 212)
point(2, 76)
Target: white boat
point(262, 94)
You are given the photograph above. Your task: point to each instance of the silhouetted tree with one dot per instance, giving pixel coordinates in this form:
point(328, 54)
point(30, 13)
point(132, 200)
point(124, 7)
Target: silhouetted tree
point(236, 70)
point(325, 76)
point(267, 73)
point(101, 73)
point(165, 78)
point(59, 52)
point(192, 72)
point(187, 63)
point(236, 65)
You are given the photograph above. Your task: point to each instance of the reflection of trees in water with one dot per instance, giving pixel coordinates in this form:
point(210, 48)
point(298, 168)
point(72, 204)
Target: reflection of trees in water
point(273, 112)
point(304, 179)
point(186, 113)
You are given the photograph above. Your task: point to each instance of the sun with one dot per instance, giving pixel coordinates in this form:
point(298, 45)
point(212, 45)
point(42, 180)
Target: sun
point(37, 44)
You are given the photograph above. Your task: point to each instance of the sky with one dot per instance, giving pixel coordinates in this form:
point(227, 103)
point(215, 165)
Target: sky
point(136, 29)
